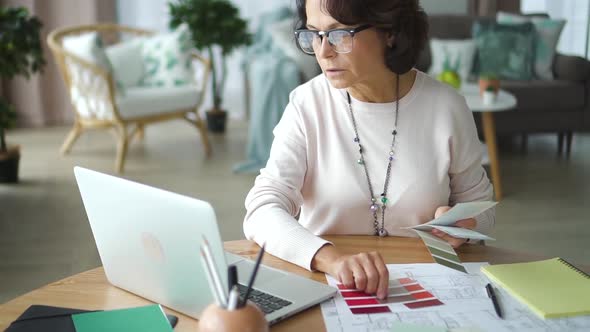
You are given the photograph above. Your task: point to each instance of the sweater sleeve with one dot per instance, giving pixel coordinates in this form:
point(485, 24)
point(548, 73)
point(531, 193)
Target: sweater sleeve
point(468, 179)
point(274, 202)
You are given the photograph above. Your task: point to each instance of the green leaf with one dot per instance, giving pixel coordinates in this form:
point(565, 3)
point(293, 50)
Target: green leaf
point(20, 43)
point(211, 23)
point(152, 65)
point(21, 54)
point(171, 60)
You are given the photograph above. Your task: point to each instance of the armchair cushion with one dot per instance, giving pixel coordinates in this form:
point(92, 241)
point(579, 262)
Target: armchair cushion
point(88, 47)
point(506, 50)
point(167, 59)
point(127, 62)
point(547, 32)
point(456, 53)
point(555, 95)
point(571, 68)
point(147, 101)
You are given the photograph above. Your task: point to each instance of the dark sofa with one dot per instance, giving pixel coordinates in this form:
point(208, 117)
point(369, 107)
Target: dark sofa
point(561, 105)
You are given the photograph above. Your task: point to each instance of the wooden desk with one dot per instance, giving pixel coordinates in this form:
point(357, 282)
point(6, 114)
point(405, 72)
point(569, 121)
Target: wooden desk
point(90, 289)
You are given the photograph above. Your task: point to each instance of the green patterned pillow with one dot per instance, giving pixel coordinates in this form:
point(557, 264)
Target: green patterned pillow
point(167, 59)
point(547, 32)
point(506, 50)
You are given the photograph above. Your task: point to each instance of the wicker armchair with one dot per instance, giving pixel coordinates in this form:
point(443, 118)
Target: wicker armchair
point(94, 99)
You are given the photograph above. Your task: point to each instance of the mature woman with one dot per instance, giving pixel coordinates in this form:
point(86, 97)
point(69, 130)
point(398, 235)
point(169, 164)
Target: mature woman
point(368, 147)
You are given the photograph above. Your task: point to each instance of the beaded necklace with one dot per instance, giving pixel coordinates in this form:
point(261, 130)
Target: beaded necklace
point(374, 207)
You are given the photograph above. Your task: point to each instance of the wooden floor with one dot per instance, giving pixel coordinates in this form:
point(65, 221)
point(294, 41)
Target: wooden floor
point(44, 234)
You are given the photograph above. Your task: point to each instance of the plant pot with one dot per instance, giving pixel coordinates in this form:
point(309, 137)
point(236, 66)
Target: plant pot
point(9, 165)
point(484, 83)
point(489, 97)
point(216, 120)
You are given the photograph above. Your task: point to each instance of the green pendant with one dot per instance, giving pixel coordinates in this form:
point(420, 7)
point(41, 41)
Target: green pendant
point(360, 162)
point(384, 200)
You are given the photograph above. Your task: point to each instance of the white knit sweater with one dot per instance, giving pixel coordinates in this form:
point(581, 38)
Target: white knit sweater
point(313, 172)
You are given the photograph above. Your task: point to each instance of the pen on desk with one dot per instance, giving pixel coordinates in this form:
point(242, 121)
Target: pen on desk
point(232, 277)
point(492, 295)
point(214, 272)
point(232, 302)
point(209, 274)
point(253, 275)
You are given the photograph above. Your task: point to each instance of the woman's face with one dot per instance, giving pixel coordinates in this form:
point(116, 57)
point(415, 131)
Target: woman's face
point(343, 70)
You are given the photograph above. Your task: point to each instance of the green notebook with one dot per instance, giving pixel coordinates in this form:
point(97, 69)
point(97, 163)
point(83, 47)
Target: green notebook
point(150, 318)
point(551, 288)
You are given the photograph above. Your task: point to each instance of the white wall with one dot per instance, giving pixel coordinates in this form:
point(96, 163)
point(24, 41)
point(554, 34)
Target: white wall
point(153, 14)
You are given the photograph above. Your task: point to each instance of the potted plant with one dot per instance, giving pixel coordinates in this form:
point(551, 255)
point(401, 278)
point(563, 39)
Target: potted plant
point(488, 80)
point(213, 23)
point(489, 95)
point(20, 54)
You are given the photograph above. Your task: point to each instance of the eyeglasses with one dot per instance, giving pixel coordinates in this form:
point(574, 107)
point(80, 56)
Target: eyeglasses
point(339, 39)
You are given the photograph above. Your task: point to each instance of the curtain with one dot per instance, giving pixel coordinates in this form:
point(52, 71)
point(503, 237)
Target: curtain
point(491, 7)
point(43, 100)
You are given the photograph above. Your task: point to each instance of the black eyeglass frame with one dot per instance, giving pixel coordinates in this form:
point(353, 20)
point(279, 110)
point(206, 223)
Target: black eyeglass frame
point(321, 34)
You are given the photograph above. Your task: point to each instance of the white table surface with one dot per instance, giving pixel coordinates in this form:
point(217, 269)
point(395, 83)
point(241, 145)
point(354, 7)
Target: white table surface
point(504, 101)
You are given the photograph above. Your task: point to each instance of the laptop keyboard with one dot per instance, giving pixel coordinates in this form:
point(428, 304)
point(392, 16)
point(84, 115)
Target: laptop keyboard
point(266, 302)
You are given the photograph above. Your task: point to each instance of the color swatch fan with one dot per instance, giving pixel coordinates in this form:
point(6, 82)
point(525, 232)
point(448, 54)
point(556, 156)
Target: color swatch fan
point(442, 252)
point(401, 291)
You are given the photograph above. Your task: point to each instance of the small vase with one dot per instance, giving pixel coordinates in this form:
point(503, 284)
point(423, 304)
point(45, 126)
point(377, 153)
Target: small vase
point(484, 83)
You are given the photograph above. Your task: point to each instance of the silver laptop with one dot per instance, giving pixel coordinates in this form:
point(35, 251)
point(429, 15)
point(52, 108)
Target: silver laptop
point(149, 242)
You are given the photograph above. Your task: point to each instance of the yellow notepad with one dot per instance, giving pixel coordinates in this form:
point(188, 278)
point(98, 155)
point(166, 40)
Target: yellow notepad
point(551, 288)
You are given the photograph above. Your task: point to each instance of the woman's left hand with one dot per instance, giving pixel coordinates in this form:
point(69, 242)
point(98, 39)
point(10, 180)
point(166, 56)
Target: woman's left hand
point(464, 223)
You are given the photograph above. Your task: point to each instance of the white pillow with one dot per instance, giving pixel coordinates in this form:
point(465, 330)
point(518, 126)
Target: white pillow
point(127, 62)
point(89, 47)
point(167, 59)
point(547, 32)
point(457, 52)
point(283, 37)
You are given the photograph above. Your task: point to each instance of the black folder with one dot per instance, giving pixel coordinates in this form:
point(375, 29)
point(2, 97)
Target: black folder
point(41, 318)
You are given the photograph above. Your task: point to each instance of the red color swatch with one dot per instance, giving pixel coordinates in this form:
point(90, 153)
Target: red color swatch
point(423, 304)
point(422, 295)
point(361, 302)
point(404, 281)
point(414, 287)
point(370, 310)
point(355, 294)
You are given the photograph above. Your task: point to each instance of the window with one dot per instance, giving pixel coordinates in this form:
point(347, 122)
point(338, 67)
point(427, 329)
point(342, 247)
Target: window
point(574, 37)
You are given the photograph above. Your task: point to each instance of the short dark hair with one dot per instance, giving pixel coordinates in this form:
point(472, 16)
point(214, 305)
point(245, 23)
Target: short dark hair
point(405, 19)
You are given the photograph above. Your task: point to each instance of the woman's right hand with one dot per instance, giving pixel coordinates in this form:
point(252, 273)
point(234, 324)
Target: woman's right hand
point(364, 271)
